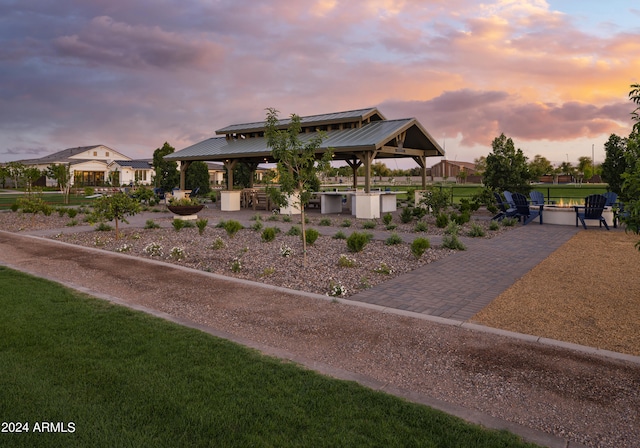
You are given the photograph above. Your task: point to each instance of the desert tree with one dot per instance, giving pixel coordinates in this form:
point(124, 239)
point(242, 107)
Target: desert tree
point(167, 175)
point(61, 173)
point(298, 162)
point(115, 208)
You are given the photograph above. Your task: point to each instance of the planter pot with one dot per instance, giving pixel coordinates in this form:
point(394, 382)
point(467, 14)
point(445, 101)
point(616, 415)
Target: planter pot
point(185, 210)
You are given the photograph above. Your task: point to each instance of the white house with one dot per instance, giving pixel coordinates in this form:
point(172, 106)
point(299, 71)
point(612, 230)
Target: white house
point(95, 166)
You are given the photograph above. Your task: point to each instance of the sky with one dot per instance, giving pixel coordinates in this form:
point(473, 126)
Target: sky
point(132, 74)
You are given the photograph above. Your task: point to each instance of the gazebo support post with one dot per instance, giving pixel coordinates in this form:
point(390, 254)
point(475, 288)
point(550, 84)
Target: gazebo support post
point(354, 164)
point(184, 166)
point(230, 165)
point(422, 162)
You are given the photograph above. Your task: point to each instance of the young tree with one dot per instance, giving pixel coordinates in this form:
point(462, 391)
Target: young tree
point(115, 208)
point(198, 177)
point(615, 162)
point(298, 163)
point(507, 167)
point(62, 174)
point(4, 173)
point(585, 166)
point(15, 172)
point(167, 174)
point(539, 167)
point(31, 176)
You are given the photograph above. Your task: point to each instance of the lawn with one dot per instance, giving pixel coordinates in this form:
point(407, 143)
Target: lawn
point(52, 198)
point(111, 376)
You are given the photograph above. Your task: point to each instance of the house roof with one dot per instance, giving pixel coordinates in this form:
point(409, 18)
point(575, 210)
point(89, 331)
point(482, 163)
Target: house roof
point(390, 138)
point(63, 156)
point(312, 120)
point(142, 164)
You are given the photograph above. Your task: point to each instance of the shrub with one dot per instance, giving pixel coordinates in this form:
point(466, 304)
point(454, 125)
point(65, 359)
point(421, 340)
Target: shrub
point(103, 227)
point(442, 220)
point(153, 249)
point(311, 235)
point(236, 265)
point(189, 225)
point(339, 235)
point(286, 251)
point(346, 262)
point(346, 223)
point(178, 224)
point(383, 269)
point(452, 242)
point(14, 207)
point(286, 218)
point(72, 213)
point(273, 218)
point(62, 211)
point(221, 224)
point(257, 226)
point(325, 222)
point(369, 225)
point(218, 243)
point(232, 227)
point(393, 239)
point(256, 217)
point(391, 227)
point(509, 222)
point(150, 224)
point(461, 218)
point(177, 253)
point(294, 231)
point(406, 216)
point(419, 246)
point(476, 231)
point(421, 226)
point(72, 223)
point(436, 200)
point(419, 212)
point(494, 225)
point(452, 228)
point(336, 289)
point(202, 224)
point(269, 234)
point(356, 241)
point(387, 218)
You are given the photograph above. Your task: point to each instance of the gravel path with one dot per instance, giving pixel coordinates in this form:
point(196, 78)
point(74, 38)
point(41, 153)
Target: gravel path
point(581, 398)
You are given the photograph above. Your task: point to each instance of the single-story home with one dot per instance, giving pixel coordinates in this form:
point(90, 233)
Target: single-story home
point(95, 165)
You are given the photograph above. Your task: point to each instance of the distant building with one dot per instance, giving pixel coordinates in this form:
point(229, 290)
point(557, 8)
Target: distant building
point(451, 169)
point(95, 165)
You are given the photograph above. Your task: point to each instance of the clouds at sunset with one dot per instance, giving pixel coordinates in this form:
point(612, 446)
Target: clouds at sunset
point(133, 74)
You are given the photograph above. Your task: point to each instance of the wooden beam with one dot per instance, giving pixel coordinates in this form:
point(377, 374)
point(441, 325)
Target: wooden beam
point(184, 166)
point(230, 165)
point(354, 164)
point(404, 152)
point(422, 162)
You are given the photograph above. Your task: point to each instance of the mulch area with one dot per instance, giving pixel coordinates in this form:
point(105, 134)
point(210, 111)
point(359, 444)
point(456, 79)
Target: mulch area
point(587, 292)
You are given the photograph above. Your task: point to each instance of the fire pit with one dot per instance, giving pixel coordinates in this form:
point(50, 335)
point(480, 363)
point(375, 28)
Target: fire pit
point(564, 214)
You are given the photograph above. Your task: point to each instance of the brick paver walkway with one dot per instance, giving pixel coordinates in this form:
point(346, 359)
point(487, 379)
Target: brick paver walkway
point(460, 285)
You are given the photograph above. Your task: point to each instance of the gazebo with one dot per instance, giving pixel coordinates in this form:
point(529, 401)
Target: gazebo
point(356, 137)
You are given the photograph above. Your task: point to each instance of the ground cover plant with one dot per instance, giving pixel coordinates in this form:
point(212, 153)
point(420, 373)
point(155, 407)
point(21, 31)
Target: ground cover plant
point(118, 377)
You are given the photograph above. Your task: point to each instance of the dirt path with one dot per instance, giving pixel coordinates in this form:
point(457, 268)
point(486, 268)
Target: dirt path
point(577, 397)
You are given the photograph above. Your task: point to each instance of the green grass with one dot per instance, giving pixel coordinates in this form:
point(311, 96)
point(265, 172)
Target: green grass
point(53, 199)
point(128, 379)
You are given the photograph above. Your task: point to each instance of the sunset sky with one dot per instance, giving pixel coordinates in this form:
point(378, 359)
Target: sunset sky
point(131, 74)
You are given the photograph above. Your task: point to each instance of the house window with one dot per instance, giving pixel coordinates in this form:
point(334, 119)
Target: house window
point(141, 175)
point(95, 153)
point(106, 154)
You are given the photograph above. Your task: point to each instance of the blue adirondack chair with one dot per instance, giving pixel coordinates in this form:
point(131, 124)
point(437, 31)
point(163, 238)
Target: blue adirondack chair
point(611, 198)
point(509, 197)
point(537, 198)
point(592, 209)
point(505, 210)
point(526, 212)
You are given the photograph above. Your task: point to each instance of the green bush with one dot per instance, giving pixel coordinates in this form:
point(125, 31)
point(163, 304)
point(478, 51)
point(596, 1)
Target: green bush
point(476, 231)
point(257, 226)
point(387, 218)
point(103, 227)
point(494, 225)
point(461, 218)
point(150, 224)
point(294, 231)
point(406, 216)
point(356, 241)
point(311, 235)
point(339, 235)
point(232, 227)
point(419, 246)
point(393, 239)
point(452, 242)
point(509, 222)
point(286, 218)
point(221, 224)
point(202, 224)
point(369, 225)
point(72, 213)
point(178, 224)
point(442, 220)
point(419, 212)
point(346, 223)
point(421, 226)
point(269, 234)
point(325, 222)
point(452, 228)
